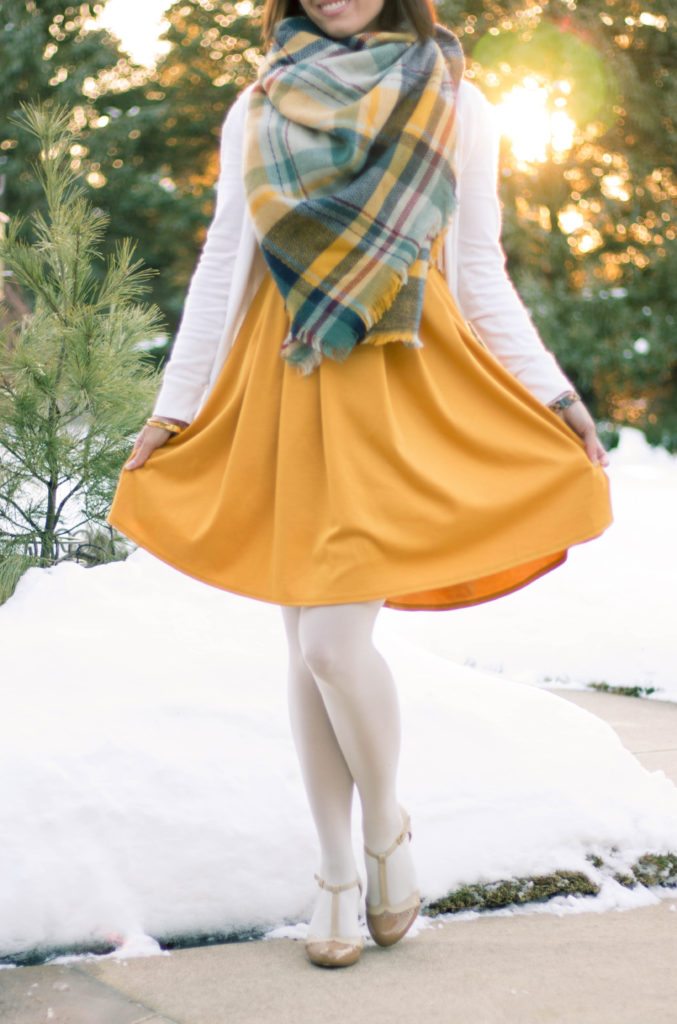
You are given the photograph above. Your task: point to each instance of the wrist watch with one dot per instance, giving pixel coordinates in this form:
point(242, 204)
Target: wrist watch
point(564, 401)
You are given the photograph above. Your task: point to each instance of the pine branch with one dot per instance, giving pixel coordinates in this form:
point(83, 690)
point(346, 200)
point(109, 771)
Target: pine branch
point(22, 512)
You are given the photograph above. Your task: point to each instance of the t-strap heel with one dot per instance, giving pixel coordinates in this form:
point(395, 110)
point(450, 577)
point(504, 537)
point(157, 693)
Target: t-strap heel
point(388, 924)
point(337, 950)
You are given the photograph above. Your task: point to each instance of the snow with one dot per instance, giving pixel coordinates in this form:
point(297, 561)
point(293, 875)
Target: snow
point(151, 787)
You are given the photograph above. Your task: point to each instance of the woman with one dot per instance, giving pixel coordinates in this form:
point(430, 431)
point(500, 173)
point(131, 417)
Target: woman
point(332, 433)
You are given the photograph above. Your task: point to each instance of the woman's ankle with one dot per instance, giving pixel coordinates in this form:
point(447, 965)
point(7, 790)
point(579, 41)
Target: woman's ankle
point(338, 870)
point(380, 829)
point(401, 876)
point(348, 909)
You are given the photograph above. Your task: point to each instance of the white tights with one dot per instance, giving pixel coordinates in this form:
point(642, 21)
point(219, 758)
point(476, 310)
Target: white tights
point(345, 721)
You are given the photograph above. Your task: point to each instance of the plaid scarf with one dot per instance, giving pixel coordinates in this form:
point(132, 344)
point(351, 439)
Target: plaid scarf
point(349, 180)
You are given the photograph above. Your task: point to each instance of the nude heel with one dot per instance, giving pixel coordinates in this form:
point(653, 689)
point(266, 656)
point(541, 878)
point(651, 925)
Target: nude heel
point(337, 950)
point(388, 924)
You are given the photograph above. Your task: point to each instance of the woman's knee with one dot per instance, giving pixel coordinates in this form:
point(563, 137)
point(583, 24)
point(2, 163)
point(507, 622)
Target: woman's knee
point(333, 642)
point(324, 658)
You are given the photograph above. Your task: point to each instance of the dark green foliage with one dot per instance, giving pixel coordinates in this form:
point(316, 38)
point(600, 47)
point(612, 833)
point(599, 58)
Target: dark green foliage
point(149, 138)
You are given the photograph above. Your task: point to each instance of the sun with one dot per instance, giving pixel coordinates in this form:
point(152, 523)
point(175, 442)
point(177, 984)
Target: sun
point(137, 24)
point(533, 117)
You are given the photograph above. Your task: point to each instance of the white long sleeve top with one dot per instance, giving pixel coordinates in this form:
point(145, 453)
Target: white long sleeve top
point(231, 267)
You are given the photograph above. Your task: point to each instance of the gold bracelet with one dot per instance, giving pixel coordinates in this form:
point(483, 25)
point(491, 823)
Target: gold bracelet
point(564, 401)
point(165, 424)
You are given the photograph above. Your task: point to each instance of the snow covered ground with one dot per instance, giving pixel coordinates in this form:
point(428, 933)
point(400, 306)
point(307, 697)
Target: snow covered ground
point(151, 787)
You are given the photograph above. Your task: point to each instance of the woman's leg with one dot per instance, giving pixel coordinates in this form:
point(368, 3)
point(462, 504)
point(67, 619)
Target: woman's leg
point(361, 701)
point(327, 779)
point(328, 783)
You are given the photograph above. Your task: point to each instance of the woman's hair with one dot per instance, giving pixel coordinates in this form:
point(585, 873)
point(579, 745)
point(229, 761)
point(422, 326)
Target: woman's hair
point(420, 14)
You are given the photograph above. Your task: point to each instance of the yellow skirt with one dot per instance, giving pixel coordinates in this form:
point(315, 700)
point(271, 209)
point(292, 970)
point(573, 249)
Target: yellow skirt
point(430, 477)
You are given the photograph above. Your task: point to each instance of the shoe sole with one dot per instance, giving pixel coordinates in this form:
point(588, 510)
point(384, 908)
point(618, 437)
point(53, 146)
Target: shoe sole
point(331, 953)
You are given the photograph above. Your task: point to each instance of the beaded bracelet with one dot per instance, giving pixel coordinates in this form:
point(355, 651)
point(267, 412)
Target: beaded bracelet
point(564, 401)
point(153, 421)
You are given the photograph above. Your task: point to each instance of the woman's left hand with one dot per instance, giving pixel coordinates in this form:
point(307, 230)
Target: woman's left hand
point(581, 422)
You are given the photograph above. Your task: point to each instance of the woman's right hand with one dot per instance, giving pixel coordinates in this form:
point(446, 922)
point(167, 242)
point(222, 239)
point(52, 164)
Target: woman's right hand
point(147, 440)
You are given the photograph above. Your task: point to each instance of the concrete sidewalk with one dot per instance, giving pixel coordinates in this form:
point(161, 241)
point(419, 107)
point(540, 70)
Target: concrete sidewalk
point(588, 968)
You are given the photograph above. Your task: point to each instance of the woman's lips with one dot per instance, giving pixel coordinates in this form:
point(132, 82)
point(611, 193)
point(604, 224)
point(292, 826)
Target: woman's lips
point(330, 10)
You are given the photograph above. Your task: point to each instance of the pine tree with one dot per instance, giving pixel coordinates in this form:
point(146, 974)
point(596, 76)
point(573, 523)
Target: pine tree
point(149, 140)
point(51, 51)
point(75, 385)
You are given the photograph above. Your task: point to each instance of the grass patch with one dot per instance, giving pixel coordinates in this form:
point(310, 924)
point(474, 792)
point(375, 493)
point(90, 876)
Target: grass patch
point(623, 691)
point(650, 869)
point(656, 869)
point(507, 891)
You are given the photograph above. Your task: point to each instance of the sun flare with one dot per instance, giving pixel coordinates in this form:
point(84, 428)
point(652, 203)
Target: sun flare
point(533, 117)
point(137, 25)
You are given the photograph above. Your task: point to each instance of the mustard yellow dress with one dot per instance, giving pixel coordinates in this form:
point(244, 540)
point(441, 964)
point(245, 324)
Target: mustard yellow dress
point(430, 477)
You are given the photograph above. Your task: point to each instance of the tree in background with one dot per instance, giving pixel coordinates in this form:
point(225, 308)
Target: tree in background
point(212, 54)
point(588, 220)
point(149, 137)
point(51, 50)
point(74, 384)
point(45, 51)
